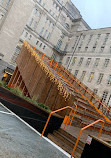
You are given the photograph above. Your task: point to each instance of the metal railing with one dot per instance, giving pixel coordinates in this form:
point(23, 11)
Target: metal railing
point(87, 99)
point(63, 72)
point(67, 107)
point(87, 90)
point(84, 129)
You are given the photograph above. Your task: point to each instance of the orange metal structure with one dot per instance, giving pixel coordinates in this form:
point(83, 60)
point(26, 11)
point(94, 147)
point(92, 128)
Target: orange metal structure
point(87, 99)
point(87, 90)
point(59, 70)
point(86, 128)
point(50, 62)
point(67, 107)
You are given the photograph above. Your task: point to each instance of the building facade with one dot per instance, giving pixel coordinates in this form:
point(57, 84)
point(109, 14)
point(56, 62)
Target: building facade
point(11, 27)
point(89, 59)
point(50, 26)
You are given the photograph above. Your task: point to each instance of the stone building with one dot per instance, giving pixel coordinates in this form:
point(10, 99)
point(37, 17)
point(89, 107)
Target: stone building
point(89, 59)
point(11, 27)
point(50, 27)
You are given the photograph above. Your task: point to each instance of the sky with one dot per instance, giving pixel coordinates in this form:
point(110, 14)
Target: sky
point(96, 13)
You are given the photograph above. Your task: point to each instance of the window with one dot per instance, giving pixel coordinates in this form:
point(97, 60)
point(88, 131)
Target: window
point(1, 1)
point(37, 42)
point(74, 60)
point(95, 45)
point(102, 48)
point(94, 48)
point(8, 1)
point(26, 34)
point(42, 29)
point(45, 33)
point(48, 36)
point(75, 41)
point(98, 36)
point(88, 61)
point(95, 91)
point(35, 24)
point(106, 62)
point(109, 80)
point(91, 76)
point(89, 40)
point(82, 76)
point(66, 26)
point(104, 96)
point(106, 38)
point(59, 43)
point(66, 46)
point(53, 56)
point(86, 48)
point(30, 37)
point(79, 48)
point(80, 45)
point(96, 62)
point(35, 11)
point(44, 47)
point(43, 4)
point(67, 60)
point(40, 1)
point(31, 21)
point(38, 13)
point(40, 45)
point(60, 60)
point(100, 78)
point(76, 72)
point(80, 61)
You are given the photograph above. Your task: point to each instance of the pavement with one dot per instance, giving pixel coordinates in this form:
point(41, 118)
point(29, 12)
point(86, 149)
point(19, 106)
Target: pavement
point(19, 140)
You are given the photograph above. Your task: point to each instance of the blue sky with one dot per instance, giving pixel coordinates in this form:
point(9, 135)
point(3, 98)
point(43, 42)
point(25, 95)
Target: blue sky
point(97, 13)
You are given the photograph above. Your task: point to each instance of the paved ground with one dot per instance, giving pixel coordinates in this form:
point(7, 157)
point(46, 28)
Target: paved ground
point(17, 140)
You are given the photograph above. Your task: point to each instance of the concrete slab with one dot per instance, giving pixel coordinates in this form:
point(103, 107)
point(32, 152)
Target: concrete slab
point(18, 140)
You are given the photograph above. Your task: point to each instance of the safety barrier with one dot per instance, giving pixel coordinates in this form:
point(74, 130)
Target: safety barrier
point(87, 100)
point(86, 90)
point(84, 129)
point(67, 107)
point(59, 69)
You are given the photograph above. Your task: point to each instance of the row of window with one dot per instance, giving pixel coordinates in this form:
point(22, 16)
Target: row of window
point(28, 36)
point(45, 33)
point(6, 2)
point(41, 3)
point(60, 1)
point(99, 80)
point(56, 6)
point(41, 45)
point(104, 95)
point(34, 23)
point(94, 48)
point(36, 12)
point(95, 44)
point(96, 63)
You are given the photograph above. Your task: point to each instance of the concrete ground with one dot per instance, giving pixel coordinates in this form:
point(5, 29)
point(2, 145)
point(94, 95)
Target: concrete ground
point(18, 140)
